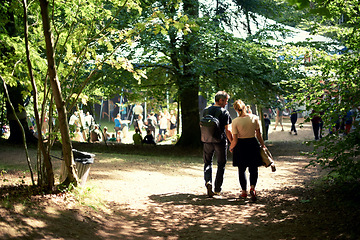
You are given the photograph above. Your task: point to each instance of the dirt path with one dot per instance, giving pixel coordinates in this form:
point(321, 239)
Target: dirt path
point(171, 203)
point(134, 186)
point(144, 200)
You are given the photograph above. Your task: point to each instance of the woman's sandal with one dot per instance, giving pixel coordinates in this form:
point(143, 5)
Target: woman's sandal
point(253, 194)
point(243, 195)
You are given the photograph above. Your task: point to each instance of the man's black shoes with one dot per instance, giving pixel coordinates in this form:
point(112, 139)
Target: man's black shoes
point(210, 192)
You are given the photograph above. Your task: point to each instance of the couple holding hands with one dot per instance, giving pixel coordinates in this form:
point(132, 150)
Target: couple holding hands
point(245, 138)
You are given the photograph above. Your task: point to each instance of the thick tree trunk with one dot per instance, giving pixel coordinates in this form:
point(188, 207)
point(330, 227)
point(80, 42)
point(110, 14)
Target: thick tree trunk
point(71, 176)
point(189, 100)
point(188, 84)
point(16, 99)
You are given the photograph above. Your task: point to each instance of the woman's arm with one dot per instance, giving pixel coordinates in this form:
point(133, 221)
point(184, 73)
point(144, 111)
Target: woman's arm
point(233, 142)
point(259, 137)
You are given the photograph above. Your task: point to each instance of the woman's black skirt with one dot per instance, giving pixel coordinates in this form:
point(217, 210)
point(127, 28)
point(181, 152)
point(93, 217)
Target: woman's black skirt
point(246, 153)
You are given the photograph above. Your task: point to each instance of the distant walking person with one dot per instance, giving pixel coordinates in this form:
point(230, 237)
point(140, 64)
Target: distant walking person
point(220, 148)
point(293, 119)
point(267, 125)
point(245, 147)
point(279, 118)
point(316, 123)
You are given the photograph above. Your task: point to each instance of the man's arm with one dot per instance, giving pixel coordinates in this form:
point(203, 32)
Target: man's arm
point(228, 133)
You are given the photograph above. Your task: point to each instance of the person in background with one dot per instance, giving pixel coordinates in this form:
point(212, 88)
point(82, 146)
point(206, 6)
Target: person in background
point(118, 136)
point(33, 132)
point(123, 111)
point(149, 138)
point(316, 125)
point(113, 138)
point(279, 118)
point(245, 147)
point(137, 138)
point(78, 137)
point(112, 109)
point(138, 110)
point(89, 120)
point(151, 122)
point(74, 122)
point(163, 123)
point(95, 135)
point(138, 123)
point(141, 124)
point(106, 134)
point(267, 125)
point(293, 119)
point(172, 123)
point(117, 122)
point(349, 119)
point(248, 109)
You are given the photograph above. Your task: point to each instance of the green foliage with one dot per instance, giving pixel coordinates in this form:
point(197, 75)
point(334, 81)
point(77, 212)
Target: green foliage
point(333, 89)
point(87, 34)
point(247, 70)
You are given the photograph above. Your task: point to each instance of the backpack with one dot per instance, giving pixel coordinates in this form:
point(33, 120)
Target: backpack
point(210, 128)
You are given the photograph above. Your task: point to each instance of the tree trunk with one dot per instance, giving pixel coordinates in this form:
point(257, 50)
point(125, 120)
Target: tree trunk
point(261, 116)
point(189, 100)
point(16, 97)
point(188, 84)
point(45, 178)
point(71, 176)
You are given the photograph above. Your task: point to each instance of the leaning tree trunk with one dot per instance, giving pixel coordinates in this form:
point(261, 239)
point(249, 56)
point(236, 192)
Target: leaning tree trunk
point(60, 105)
point(46, 177)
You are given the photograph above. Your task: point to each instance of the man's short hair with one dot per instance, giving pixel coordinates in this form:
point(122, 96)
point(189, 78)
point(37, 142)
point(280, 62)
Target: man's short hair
point(221, 95)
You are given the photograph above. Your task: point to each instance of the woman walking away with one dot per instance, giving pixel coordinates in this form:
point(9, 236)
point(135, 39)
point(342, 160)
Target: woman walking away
point(245, 147)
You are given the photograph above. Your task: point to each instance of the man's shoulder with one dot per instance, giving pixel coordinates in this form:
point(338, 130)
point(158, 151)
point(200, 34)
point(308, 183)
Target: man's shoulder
point(212, 110)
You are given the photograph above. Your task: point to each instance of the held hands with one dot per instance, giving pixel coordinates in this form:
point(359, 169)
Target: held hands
point(231, 148)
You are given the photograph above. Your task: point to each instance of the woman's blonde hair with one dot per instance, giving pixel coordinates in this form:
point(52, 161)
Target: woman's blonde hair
point(239, 105)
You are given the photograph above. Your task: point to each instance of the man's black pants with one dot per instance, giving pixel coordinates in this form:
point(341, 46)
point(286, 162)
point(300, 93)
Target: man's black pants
point(220, 149)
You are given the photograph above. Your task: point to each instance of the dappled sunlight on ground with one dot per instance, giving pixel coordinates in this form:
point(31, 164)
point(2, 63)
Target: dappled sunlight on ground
point(165, 198)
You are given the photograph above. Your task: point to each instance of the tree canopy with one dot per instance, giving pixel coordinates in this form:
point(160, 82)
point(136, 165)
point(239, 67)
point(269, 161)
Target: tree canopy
point(150, 49)
point(332, 90)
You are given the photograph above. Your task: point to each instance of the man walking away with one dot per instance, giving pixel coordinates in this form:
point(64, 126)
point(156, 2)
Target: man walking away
point(293, 118)
point(219, 146)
